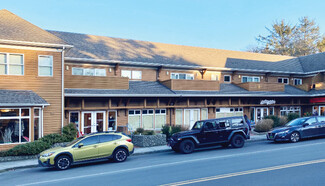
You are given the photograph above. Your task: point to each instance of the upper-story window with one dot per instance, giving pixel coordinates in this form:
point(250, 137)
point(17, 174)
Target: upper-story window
point(181, 76)
point(250, 79)
point(45, 65)
point(227, 78)
point(297, 81)
point(89, 71)
point(283, 80)
point(132, 74)
point(214, 77)
point(11, 64)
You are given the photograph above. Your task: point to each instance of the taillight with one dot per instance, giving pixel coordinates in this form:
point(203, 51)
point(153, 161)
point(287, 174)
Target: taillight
point(129, 140)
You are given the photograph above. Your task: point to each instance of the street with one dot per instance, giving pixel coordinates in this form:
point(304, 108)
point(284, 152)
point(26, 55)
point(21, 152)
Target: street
point(257, 163)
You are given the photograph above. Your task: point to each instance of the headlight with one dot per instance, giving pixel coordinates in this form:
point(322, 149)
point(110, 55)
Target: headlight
point(48, 154)
point(283, 132)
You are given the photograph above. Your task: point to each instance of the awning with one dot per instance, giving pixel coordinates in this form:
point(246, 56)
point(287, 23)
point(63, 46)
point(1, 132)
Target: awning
point(20, 98)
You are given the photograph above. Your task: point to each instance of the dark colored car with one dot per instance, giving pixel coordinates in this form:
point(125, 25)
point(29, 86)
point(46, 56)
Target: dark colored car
point(298, 129)
point(221, 131)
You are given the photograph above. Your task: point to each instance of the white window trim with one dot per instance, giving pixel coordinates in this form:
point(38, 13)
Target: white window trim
point(229, 78)
point(40, 117)
point(8, 64)
point(115, 120)
point(83, 71)
point(186, 75)
point(282, 79)
point(51, 57)
point(160, 114)
point(259, 79)
point(294, 81)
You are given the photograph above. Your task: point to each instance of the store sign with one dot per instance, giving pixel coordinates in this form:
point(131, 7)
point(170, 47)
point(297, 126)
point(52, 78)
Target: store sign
point(267, 102)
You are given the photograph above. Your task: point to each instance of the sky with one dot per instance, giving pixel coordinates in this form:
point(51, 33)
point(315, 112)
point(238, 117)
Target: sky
point(221, 24)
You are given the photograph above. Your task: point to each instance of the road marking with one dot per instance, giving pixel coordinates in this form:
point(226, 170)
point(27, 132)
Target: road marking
point(245, 172)
point(168, 164)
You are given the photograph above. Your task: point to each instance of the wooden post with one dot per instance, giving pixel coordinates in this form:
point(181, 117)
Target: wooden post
point(229, 101)
point(109, 103)
point(158, 102)
point(117, 67)
point(145, 102)
point(205, 102)
point(188, 102)
point(82, 104)
point(239, 101)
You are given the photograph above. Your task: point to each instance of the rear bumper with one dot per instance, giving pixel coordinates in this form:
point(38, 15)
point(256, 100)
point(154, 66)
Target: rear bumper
point(131, 152)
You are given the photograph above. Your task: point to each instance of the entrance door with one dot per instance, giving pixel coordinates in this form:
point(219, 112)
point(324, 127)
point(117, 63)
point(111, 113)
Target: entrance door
point(261, 113)
point(191, 116)
point(93, 122)
point(321, 111)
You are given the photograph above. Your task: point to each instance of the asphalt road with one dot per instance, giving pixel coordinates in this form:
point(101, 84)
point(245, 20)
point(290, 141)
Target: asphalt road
point(258, 163)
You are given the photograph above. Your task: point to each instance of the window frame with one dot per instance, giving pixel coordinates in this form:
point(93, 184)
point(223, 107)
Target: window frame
point(187, 75)
point(52, 66)
point(253, 77)
point(224, 76)
point(7, 64)
point(83, 71)
point(282, 80)
point(299, 79)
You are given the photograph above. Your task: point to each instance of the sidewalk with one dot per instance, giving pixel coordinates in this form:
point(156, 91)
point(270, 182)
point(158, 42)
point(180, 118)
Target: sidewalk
point(12, 165)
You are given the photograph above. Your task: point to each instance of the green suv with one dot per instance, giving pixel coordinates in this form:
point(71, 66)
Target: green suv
point(88, 148)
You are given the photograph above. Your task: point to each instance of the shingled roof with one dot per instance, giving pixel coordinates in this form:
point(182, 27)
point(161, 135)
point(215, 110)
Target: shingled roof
point(108, 48)
point(13, 27)
point(21, 98)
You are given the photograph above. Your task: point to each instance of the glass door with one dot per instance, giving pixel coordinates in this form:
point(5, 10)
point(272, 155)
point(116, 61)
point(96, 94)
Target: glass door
point(112, 120)
point(87, 122)
point(261, 113)
point(93, 122)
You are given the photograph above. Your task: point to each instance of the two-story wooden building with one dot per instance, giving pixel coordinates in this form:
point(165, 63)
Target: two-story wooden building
point(51, 78)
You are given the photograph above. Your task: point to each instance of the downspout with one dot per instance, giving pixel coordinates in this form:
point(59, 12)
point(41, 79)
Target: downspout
point(62, 84)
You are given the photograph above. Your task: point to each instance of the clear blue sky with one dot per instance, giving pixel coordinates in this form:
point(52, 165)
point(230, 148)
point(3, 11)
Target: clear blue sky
point(222, 24)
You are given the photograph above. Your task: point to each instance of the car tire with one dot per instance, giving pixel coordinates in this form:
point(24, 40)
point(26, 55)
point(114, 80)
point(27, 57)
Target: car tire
point(294, 137)
point(63, 162)
point(237, 141)
point(120, 155)
point(186, 146)
point(225, 145)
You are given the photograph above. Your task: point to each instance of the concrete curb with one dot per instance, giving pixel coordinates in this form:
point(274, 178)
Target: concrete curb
point(153, 150)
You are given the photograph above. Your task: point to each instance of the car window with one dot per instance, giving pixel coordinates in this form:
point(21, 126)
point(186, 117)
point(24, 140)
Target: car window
point(321, 119)
point(107, 138)
point(235, 122)
point(89, 141)
point(311, 121)
point(223, 123)
point(198, 125)
point(210, 125)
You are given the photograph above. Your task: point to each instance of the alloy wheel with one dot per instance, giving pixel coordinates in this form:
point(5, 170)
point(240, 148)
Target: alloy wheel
point(294, 137)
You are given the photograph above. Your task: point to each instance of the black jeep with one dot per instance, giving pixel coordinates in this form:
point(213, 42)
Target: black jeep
point(205, 133)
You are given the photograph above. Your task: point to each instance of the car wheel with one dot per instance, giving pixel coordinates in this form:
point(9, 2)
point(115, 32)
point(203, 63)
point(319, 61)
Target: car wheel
point(63, 162)
point(294, 137)
point(120, 155)
point(237, 141)
point(187, 146)
point(225, 145)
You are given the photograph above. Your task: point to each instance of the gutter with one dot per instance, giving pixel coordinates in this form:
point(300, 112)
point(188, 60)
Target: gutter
point(29, 43)
point(22, 105)
point(62, 88)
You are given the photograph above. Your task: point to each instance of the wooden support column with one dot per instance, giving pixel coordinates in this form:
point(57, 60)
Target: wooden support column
point(82, 104)
point(239, 101)
point(229, 101)
point(145, 102)
point(127, 102)
point(120, 102)
point(109, 103)
point(158, 102)
point(117, 67)
point(205, 102)
point(188, 102)
point(203, 71)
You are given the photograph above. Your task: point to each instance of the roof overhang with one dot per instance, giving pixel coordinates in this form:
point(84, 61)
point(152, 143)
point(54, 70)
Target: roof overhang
point(29, 43)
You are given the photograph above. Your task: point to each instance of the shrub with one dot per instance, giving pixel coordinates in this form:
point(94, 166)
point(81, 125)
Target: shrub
point(264, 125)
point(140, 130)
point(166, 129)
point(276, 120)
point(176, 129)
point(292, 116)
point(69, 132)
point(149, 132)
point(53, 138)
point(170, 130)
point(307, 114)
point(283, 120)
point(31, 148)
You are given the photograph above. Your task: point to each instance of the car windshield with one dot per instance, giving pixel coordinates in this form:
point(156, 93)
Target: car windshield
point(198, 125)
point(296, 122)
point(74, 141)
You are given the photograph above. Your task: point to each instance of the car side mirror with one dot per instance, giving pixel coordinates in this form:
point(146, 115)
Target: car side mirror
point(305, 124)
point(80, 145)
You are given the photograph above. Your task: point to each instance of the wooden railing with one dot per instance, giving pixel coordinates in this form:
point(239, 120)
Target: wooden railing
point(95, 82)
point(255, 86)
point(182, 84)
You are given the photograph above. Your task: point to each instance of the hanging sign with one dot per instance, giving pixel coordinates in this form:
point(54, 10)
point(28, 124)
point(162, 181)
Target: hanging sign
point(267, 102)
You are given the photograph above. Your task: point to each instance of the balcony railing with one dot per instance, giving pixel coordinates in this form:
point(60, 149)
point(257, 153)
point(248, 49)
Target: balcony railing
point(182, 84)
point(95, 82)
point(255, 86)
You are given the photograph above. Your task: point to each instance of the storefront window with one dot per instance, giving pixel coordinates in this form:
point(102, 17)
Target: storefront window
point(14, 125)
point(111, 120)
point(289, 109)
point(38, 129)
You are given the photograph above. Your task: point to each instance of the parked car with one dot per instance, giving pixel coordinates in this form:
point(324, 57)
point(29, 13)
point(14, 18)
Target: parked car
point(298, 129)
point(88, 148)
point(221, 131)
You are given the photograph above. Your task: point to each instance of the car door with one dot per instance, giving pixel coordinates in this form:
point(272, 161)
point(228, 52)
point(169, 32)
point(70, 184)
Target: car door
point(223, 125)
point(107, 144)
point(88, 151)
point(210, 132)
point(310, 127)
point(321, 124)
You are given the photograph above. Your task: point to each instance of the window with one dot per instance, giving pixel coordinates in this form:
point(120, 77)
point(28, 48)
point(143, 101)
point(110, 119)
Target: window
point(286, 110)
point(229, 112)
point(227, 78)
point(297, 81)
point(89, 71)
point(88, 141)
point(179, 116)
point(214, 77)
point(321, 119)
point(132, 74)
point(14, 125)
point(160, 118)
point(147, 119)
point(134, 119)
point(108, 138)
point(311, 121)
point(204, 113)
point(250, 79)
point(45, 65)
point(181, 76)
point(283, 80)
point(11, 64)
point(38, 127)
